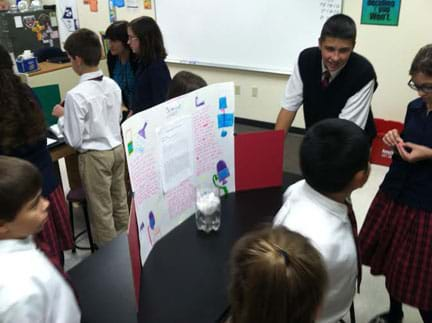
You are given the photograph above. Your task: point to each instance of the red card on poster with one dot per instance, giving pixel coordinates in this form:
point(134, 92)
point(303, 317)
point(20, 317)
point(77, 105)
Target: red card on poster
point(258, 159)
point(134, 251)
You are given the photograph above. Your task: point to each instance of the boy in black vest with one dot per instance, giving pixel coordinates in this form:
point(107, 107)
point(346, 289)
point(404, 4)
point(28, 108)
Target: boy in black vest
point(331, 81)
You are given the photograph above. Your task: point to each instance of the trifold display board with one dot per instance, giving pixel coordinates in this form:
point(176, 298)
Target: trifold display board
point(172, 149)
point(259, 35)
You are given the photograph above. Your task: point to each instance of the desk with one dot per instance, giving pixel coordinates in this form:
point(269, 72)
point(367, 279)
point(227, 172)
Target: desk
point(71, 159)
point(103, 282)
point(47, 67)
point(185, 277)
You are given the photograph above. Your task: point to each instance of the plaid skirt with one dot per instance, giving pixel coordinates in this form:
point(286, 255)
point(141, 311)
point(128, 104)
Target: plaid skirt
point(396, 241)
point(56, 234)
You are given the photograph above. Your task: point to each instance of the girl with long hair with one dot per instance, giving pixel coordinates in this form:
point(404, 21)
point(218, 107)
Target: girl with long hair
point(152, 77)
point(23, 135)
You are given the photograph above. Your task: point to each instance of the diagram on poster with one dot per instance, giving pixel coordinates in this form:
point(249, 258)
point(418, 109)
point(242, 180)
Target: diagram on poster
point(172, 149)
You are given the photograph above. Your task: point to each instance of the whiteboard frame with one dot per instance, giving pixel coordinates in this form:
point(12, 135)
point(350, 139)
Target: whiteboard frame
point(231, 67)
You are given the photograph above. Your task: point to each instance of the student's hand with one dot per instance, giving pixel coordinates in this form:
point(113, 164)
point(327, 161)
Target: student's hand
point(130, 113)
point(412, 153)
point(58, 111)
point(392, 138)
point(284, 120)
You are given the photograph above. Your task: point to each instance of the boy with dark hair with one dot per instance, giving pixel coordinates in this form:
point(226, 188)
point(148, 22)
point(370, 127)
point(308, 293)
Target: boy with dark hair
point(31, 289)
point(339, 26)
point(331, 81)
point(184, 82)
point(92, 115)
point(85, 44)
point(334, 159)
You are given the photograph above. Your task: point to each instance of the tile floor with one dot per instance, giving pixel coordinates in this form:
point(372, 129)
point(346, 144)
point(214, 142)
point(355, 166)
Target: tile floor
point(373, 296)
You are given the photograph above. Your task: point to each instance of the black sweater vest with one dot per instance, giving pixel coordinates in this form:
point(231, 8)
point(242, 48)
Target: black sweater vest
point(320, 103)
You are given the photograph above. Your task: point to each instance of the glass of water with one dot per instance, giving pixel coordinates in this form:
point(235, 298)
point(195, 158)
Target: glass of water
point(208, 214)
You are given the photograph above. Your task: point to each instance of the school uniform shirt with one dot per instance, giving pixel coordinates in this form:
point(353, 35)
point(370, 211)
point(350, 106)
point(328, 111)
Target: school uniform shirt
point(348, 96)
point(326, 224)
point(31, 289)
point(92, 114)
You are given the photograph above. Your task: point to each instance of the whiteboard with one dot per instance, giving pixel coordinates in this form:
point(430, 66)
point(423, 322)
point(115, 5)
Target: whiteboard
point(258, 35)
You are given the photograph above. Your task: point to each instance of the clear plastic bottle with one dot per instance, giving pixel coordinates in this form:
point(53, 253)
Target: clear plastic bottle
point(208, 214)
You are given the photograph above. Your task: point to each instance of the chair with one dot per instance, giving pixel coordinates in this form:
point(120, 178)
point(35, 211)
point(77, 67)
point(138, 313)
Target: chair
point(78, 196)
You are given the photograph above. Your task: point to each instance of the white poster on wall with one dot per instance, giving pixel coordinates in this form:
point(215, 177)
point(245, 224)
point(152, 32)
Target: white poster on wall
point(172, 149)
point(67, 15)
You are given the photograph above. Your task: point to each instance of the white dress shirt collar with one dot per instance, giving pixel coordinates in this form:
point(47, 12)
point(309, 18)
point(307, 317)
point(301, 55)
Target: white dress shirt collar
point(88, 76)
point(12, 245)
point(335, 208)
point(332, 74)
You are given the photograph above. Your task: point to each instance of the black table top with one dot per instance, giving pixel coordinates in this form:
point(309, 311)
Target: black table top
point(185, 277)
point(103, 283)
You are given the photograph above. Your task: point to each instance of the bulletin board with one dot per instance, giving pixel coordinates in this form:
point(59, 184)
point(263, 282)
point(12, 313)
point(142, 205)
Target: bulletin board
point(49, 96)
point(242, 34)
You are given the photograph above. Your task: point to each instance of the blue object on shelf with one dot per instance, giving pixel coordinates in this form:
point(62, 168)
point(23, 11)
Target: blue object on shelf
point(26, 65)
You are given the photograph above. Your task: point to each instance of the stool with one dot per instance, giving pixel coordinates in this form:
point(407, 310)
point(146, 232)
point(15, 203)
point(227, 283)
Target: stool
point(78, 196)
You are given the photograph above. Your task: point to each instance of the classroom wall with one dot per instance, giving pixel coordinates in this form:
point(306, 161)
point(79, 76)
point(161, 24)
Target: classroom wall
point(66, 78)
point(390, 49)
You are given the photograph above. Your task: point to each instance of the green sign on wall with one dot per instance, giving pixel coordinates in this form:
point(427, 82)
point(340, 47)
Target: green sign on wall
point(380, 12)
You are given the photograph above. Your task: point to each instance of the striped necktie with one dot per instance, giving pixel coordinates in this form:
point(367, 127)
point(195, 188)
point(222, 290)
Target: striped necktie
point(325, 79)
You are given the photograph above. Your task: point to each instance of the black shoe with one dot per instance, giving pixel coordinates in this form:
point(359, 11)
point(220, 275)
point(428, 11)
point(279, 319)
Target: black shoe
point(385, 318)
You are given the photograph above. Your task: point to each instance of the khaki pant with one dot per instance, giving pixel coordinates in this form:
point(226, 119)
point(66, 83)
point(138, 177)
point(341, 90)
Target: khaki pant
point(102, 175)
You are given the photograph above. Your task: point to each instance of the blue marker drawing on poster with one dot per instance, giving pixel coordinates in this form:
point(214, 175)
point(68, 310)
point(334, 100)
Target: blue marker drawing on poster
point(141, 132)
point(223, 103)
point(222, 171)
point(142, 226)
point(152, 220)
point(225, 120)
point(153, 231)
point(199, 103)
point(224, 133)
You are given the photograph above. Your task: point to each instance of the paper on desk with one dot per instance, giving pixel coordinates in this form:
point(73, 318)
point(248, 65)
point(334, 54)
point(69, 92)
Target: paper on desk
point(50, 141)
point(176, 157)
point(55, 129)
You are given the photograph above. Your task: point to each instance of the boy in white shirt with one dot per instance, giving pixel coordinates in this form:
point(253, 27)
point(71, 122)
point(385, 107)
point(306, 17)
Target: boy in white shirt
point(92, 115)
point(31, 289)
point(334, 159)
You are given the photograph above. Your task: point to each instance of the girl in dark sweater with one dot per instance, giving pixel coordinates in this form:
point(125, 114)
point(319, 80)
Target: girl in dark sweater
point(152, 77)
point(396, 238)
